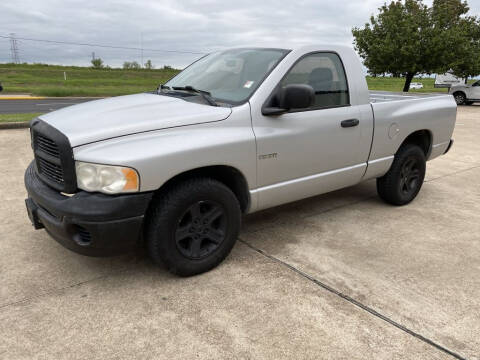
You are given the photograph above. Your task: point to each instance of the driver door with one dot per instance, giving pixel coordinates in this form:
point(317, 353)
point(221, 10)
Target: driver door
point(310, 151)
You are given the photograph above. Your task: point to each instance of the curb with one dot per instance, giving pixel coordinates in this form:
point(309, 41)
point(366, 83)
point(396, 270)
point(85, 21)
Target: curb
point(49, 97)
point(22, 97)
point(15, 125)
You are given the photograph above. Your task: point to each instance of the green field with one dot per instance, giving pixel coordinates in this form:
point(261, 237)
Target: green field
point(4, 118)
point(48, 80)
point(396, 84)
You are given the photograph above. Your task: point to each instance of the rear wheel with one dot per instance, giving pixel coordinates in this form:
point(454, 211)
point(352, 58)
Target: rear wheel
point(193, 227)
point(460, 98)
point(401, 184)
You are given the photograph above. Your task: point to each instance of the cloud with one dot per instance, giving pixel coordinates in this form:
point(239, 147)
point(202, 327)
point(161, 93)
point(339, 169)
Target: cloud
point(189, 25)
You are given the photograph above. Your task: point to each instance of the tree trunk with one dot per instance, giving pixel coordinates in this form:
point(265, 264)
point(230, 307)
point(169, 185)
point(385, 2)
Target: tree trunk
point(408, 80)
point(466, 80)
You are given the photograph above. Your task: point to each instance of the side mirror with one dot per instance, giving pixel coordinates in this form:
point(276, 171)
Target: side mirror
point(293, 96)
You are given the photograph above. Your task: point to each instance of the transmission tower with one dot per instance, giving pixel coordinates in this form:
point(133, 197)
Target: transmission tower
point(14, 49)
point(141, 49)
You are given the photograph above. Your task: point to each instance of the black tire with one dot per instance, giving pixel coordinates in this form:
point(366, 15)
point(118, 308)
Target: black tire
point(460, 97)
point(401, 184)
point(192, 227)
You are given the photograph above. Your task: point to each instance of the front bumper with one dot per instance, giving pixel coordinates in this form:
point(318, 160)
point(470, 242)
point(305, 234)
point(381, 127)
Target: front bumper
point(91, 224)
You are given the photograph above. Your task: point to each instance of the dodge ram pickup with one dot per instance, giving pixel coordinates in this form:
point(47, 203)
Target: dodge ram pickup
point(236, 132)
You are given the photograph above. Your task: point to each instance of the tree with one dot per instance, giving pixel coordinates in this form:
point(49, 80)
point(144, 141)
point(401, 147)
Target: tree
point(408, 38)
point(463, 33)
point(467, 62)
point(129, 65)
point(448, 13)
point(149, 65)
point(97, 63)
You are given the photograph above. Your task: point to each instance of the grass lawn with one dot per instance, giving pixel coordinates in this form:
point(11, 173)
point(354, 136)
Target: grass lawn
point(48, 80)
point(396, 84)
point(17, 117)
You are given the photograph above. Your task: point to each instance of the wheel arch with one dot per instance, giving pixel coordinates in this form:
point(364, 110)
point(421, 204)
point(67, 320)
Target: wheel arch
point(422, 138)
point(459, 91)
point(227, 175)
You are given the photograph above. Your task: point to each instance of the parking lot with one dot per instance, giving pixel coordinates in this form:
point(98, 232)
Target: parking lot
point(339, 276)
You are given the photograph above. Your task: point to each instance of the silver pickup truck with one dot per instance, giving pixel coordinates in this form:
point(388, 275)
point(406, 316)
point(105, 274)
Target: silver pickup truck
point(236, 132)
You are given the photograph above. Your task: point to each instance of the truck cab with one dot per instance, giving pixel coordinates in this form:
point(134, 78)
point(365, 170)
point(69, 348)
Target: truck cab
point(236, 132)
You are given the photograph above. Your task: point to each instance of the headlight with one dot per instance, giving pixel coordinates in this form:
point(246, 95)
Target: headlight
point(106, 179)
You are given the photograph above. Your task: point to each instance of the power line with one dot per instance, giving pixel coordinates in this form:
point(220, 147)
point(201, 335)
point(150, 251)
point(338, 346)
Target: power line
point(105, 46)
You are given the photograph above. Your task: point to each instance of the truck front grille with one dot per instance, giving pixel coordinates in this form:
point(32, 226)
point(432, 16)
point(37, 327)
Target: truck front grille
point(53, 157)
point(53, 171)
point(48, 146)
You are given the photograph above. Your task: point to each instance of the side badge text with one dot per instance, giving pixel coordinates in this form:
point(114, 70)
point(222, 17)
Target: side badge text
point(267, 156)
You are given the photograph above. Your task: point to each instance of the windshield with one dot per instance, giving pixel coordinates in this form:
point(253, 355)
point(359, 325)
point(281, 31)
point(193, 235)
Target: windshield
point(230, 76)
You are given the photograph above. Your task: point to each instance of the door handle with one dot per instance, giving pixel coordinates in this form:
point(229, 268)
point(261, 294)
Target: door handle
point(350, 123)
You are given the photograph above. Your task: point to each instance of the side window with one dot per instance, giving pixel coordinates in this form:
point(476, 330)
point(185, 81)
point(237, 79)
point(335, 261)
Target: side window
point(476, 83)
point(325, 74)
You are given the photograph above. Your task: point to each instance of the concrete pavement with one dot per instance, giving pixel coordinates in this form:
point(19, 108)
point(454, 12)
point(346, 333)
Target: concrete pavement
point(339, 276)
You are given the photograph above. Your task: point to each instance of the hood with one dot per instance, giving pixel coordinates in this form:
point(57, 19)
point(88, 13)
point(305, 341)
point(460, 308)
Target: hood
point(123, 115)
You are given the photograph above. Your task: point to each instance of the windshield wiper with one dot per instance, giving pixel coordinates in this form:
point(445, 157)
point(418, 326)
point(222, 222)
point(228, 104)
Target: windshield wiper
point(204, 94)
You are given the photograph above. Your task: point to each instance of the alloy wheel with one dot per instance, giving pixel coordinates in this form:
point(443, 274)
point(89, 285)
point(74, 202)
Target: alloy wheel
point(409, 176)
point(201, 229)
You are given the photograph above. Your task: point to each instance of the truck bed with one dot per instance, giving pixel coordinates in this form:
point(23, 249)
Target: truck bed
point(399, 114)
point(385, 96)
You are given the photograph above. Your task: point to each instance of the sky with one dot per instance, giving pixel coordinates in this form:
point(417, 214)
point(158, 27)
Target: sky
point(186, 26)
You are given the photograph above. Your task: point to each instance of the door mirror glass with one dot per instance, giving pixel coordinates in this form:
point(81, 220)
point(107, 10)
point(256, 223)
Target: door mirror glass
point(296, 96)
point(290, 97)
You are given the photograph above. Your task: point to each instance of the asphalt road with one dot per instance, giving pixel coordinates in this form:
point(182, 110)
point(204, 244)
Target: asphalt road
point(38, 105)
point(337, 276)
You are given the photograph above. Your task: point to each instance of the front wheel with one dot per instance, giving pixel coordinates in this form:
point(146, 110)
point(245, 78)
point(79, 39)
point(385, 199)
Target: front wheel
point(192, 227)
point(401, 184)
point(460, 98)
